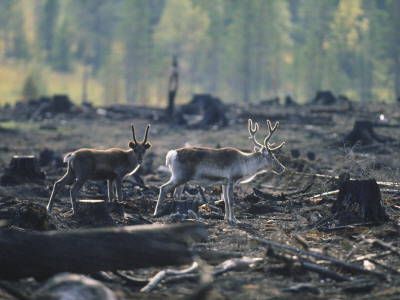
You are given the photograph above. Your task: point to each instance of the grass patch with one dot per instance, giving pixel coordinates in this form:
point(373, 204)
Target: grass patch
point(14, 125)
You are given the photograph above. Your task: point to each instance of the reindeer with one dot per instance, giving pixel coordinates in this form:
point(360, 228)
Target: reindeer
point(111, 165)
point(226, 167)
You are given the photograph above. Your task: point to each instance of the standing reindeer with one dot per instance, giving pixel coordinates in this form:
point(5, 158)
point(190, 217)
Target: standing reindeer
point(111, 165)
point(226, 167)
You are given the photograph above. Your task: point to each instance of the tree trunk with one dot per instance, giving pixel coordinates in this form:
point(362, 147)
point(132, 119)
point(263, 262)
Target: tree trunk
point(23, 169)
point(359, 201)
point(364, 134)
point(40, 255)
point(172, 87)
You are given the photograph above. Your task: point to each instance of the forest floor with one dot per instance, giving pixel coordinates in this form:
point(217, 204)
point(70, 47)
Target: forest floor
point(286, 209)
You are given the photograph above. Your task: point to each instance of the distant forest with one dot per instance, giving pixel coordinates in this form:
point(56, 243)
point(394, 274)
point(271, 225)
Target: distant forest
point(237, 50)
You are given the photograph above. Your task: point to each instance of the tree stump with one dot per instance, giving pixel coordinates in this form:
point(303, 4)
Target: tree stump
point(181, 207)
point(359, 201)
point(324, 98)
point(96, 208)
point(363, 133)
point(23, 169)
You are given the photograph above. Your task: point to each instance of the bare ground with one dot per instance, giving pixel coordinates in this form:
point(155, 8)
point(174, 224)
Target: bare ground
point(293, 214)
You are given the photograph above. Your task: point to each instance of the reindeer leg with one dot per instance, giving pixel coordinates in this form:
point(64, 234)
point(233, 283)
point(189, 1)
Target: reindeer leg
point(224, 197)
point(164, 189)
point(110, 189)
point(66, 179)
point(229, 192)
point(178, 192)
point(118, 182)
point(74, 192)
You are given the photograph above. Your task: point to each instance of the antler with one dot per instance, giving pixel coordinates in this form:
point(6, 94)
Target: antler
point(253, 133)
point(271, 131)
point(145, 134)
point(133, 134)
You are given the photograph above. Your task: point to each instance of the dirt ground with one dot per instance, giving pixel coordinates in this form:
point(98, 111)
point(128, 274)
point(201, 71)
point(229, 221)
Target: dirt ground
point(286, 209)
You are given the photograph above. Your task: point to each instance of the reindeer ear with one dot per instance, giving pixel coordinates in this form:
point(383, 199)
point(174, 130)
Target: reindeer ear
point(256, 148)
point(147, 146)
point(132, 145)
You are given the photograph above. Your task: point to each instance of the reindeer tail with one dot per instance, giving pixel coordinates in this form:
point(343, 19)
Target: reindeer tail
point(68, 157)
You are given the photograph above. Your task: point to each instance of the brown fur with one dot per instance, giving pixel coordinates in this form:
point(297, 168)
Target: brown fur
point(111, 165)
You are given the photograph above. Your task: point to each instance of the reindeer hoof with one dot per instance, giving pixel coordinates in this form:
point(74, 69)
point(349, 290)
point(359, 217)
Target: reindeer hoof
point(233, 221)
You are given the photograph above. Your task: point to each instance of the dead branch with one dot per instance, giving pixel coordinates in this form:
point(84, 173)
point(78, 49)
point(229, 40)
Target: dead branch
point(309, 266)
point(345, 227)
point(228, 265)
point(390, 269)
point(325, 194)
point(325, 272)
point(13, 291)
point(162, 274)
point(371, 242)
point(346, 265)
point(371, 255)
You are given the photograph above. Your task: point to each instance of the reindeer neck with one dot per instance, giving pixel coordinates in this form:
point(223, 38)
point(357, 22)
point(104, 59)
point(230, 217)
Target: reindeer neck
point(131, 157)
point(254, 162)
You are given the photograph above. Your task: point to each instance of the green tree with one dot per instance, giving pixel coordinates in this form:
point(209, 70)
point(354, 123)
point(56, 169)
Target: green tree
point(47, 24)
point(6, 16)
point(93, 23)
point(392, 42)
point(349, 28)
point(61, 58)
point(311, 59)
point(137, 49)
point(12, 26)
point(30, 88)
point(183, 32)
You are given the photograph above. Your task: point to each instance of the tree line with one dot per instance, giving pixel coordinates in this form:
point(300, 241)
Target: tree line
point(240, 51)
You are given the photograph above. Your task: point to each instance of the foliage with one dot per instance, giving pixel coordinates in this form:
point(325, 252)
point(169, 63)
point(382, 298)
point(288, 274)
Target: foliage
point(238, 50)
point(30, 89)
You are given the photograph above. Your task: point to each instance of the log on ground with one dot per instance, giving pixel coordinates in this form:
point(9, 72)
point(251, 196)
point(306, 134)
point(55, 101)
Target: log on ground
point(40, 255)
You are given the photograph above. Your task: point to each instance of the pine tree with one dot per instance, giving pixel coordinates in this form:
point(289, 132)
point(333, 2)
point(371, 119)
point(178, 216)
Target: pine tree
point(19, 45)
point(47, 25)
point(61, 58)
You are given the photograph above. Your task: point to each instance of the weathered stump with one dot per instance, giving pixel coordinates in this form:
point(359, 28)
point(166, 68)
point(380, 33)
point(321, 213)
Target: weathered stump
point(23, 169)
point(359, 201)
point(210, 109)
point(99, 209)
point(364, 134)
point(324, 98)
point(181, 207)
point(95, 208)
point(290, 102)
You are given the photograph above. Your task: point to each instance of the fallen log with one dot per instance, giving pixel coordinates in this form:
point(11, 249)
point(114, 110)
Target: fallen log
point(40, 255)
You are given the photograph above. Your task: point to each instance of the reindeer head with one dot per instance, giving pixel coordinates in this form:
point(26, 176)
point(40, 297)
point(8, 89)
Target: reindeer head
point(267, 150)
point(140, 148)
